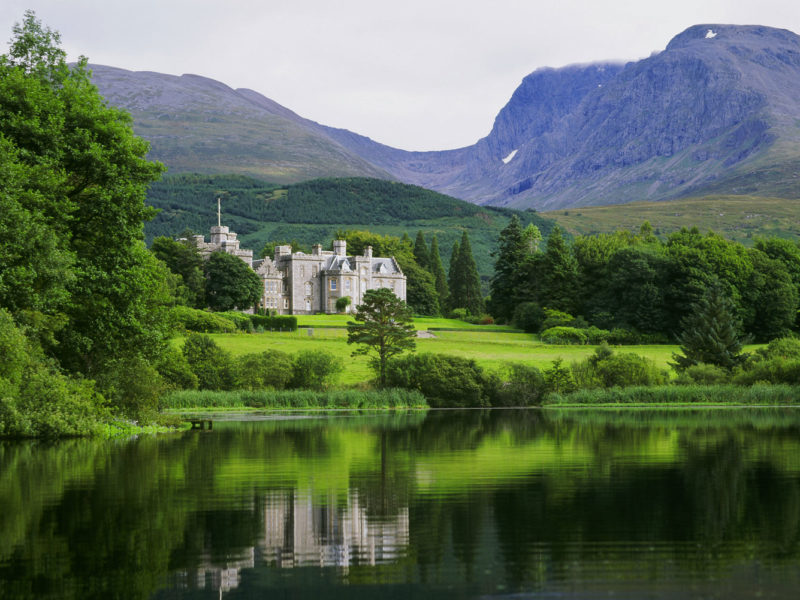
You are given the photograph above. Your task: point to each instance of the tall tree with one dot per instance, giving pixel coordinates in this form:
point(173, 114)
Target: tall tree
point(558, 272)
point(383, 326)
point(437, 270)
point(230, 283)
point(452, 273)
point(465, 292)
point(507, 282)
point(87, 175)
point(710, 332)
point(421, 253)
point(182, 258)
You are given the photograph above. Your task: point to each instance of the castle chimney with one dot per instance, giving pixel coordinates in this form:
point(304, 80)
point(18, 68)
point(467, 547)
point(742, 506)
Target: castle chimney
point(340, 247)
point(368, 252)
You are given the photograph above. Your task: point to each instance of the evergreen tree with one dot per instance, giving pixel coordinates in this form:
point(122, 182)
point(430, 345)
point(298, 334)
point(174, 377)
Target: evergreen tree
point(437, 270)
point(532, 237)
point(230, 283)
point(508, 272)
point(421, 252)
point(451, 275)
point(710, 332)
point(558, 272)
point(465, 290)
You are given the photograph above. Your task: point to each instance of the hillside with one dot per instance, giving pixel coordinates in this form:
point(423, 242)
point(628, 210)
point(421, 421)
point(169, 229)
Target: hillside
point(740, 218)
point(716, 112)
point(311, 212)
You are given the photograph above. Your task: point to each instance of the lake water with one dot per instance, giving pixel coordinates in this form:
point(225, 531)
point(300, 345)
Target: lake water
point(503, 504)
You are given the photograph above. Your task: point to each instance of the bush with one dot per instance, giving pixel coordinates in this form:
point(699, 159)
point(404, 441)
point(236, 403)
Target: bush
point(272, 369)
point(211, 364)
point(446, 381)
point(703, 374)
point(176, 372)
point(626, 369)
point(315, 369)
point(275, 322)
point(596, 336)
point(785, 347)
point(525, 386)
point(556, 318)
point(242, 320)
point(459, 313)
point(133, 386)
point(774, 370)
point(564, 335)
point(529, 317)
point(201, 321)
point(342, 303)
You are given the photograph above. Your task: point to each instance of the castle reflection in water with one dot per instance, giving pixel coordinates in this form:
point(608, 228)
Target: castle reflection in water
point(300, 531)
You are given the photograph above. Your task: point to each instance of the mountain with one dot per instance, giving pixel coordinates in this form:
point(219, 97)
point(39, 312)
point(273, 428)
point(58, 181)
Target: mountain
point(716, 112)
point(196, 124)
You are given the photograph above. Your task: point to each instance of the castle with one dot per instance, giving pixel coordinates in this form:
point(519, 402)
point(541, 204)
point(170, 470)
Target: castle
point(296, 283)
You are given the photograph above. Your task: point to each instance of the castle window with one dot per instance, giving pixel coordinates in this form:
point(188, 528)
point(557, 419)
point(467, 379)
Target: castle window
point(314, 271)
point(285, 303)
point(333, 285)
point(347, 285)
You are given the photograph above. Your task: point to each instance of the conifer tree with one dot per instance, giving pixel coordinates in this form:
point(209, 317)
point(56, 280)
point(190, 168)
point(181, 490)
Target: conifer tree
point(465, 290)
point(558, 274)
point(437, 270)
point(421, 251)
point(710, 332)
point(451, 275)
point(507, 281)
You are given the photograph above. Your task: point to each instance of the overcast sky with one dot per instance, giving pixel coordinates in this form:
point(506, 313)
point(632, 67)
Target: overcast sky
point(414, 74)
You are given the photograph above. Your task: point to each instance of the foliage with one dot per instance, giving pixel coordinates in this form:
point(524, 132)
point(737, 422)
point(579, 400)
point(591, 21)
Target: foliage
point(612, 369)
point(558, 378)
point(464, 284)
point(275, 322)
point(710, 333)
point(529, 317)
point(421, 252)
point(201, 321)
point(557, 274)
point(703, 374)
point(279, 399)
point(564, 335)
point(682, 394)
point(439, 277)
point(230, 283)
point(383, 326)
point(421, 295)
point(524, 386)
point(183, 259)
point(556, 318)
point(315, 370)
point(271, 369)
point(342, 303)
point(508, 280)
point(175, 371)
point(211, 364)
point(444, 380)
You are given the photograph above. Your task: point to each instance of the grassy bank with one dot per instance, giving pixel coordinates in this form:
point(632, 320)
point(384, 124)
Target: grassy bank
point(283, 399)
point(759, 394)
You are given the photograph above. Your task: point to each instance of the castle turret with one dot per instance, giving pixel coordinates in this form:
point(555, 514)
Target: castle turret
point(340, 247)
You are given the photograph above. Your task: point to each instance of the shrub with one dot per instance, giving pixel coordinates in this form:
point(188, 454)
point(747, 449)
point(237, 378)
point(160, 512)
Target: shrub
point(342, 303)
point(556, 318)
point(176, 372)
point(272, 369)
point(785, 347)
point(242, 320)
point(525, 386)
point(596, 336)
point(774, 370)
point(133, 386)
point(211, 364)
point(703, 374)
point(275, 322)
point(626, 369)
point(529, 317)
point(459, 313)
point(201, 321)
point(446, 381)
point(558, 378)
point(564, 335)
point(315, 369)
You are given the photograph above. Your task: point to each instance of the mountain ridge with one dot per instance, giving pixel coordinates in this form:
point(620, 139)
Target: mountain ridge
point(717, 111)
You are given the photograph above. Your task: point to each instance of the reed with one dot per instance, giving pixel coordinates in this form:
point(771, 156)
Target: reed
point(759, 394)
point(288, 399)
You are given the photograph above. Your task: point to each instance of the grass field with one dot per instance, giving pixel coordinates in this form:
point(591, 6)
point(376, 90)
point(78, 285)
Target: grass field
point(739, 218)
point(493, 348)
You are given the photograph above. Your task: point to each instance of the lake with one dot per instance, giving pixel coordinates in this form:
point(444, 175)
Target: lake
point(488, 504)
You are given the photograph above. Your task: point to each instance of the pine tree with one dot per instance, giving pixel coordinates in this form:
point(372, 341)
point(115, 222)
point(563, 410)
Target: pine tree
point(437, 270)
point(558, 272)
point(466, 289)
point(421, 252)
point(508, 271)
point(710, 332)
point(451, 275)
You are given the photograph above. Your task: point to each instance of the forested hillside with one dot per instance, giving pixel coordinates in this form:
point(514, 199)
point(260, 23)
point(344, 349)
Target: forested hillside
point(311, 212)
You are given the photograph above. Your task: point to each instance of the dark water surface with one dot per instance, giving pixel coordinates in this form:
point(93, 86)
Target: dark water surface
point(476, 504)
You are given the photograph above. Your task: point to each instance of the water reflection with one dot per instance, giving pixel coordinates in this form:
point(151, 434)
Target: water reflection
point(448, 504)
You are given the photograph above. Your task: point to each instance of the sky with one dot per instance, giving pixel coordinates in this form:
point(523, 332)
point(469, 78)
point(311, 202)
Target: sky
point(413, 74)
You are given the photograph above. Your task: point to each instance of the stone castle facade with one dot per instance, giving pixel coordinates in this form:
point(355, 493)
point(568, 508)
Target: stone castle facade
point(296, 283)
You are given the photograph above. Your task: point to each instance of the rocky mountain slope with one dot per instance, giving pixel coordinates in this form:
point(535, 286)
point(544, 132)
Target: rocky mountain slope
point(718, 111)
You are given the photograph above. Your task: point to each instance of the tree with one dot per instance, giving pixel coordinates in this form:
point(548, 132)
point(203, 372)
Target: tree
point(182, 258)
point(437, 270)
point(79, 177)
point(507, 280)
point(558, 272)
point(342, 303)
point(230, 283)
point(383, 326)
point(465, 288)
point(452, 273)
point(421, 294)
point(710, 332)
point(421, 253)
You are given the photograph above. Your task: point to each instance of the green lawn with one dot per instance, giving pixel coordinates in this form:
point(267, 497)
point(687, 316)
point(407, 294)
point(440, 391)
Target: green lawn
point(491, 347)
point(419, 323)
